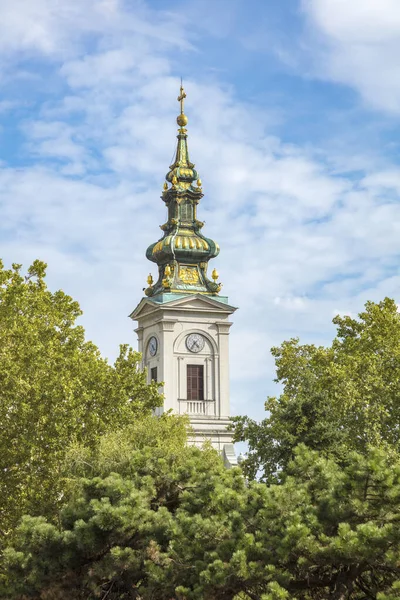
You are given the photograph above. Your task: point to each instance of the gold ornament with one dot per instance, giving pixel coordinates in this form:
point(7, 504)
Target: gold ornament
point(199, 184)
point(167, 280)
point(174, 181)
point(189, 275)
point(150, 279)
point(165, 186)
point(215, 275)
point(182, 120)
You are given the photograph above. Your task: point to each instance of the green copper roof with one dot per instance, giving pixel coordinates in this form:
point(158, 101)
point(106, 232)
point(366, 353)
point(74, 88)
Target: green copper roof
point(163, 298)
point(183, 252)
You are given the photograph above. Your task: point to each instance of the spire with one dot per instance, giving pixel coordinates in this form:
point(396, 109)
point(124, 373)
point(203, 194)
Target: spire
point(183, 252)
point(182, 169)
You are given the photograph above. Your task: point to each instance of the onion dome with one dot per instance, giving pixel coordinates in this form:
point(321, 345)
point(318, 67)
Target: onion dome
point(183, 252)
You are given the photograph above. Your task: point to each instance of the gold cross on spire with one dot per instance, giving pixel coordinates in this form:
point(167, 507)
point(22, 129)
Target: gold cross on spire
point(182, 118)
point(182, 97)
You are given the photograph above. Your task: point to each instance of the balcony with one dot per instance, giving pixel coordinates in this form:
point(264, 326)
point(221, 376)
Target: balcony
point(201, 408)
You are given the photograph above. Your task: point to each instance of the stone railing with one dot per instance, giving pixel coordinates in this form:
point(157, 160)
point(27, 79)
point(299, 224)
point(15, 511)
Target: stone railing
point(197, 407)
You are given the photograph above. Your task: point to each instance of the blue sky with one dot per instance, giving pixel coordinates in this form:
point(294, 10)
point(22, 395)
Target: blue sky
point(293, 113)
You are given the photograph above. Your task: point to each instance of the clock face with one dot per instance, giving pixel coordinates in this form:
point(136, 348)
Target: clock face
point(153, 345)
point(195, 342)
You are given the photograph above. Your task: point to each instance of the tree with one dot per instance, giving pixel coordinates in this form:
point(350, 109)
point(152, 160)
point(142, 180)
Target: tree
point(327, 531)
point(124, 490)
point(55, 389)
point(173, 523)
point(336, 399)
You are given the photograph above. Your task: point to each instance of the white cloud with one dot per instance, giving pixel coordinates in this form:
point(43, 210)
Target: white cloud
point(59, 30)
point(357, 43)
point(359, 21)
point(115, 67)
point(296, 303)
point(55, 140)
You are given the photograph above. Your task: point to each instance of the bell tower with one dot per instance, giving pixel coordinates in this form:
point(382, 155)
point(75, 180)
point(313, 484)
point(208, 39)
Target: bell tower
point(183, 322)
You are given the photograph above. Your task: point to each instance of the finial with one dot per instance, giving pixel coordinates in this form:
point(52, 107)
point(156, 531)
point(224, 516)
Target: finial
point(182, 119)
point(165, 186)
point(150, 279)
point(199, 184)
point(167, 271)
point(174, 181)
point(215, 275)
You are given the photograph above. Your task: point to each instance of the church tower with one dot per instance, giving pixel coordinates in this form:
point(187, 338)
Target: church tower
point(183, 322)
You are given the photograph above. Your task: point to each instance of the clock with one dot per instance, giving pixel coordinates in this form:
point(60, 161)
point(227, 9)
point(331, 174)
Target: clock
point(153, 345)
point(195, 342)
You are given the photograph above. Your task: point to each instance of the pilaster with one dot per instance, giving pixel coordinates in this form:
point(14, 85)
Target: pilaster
point(223, 344)
point(166, 327)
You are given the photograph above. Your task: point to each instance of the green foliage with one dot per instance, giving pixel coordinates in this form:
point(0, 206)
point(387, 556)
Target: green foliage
point(117, 518)
point(55, 389)
point(126, 451)
point(145, 517)
point(181, 526)
point(336, 399)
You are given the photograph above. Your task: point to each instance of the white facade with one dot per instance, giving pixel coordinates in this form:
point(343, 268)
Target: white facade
point(170, 322)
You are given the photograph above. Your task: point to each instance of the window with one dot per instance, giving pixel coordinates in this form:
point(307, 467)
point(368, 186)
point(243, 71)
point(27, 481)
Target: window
point(153, 374)
point(195, 382)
